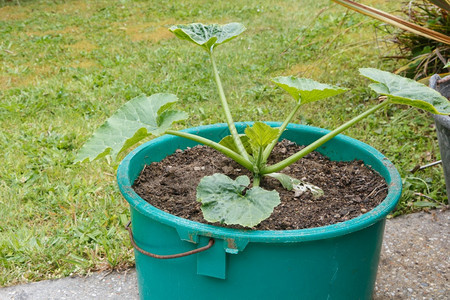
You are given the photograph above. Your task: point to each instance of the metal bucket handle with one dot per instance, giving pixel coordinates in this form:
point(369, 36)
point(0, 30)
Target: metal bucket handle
point(170, 256)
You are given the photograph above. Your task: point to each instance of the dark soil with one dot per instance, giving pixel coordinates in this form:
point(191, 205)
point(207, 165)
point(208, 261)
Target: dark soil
point(351, 189)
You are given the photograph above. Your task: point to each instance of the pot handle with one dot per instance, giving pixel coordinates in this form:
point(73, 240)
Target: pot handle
point(201, 249)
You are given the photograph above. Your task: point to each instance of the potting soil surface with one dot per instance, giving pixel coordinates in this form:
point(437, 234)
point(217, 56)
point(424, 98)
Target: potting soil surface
point(350, 188)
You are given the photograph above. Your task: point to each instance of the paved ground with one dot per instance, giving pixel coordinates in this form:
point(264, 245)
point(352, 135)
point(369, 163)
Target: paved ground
point(415, 264)
point(98, 286)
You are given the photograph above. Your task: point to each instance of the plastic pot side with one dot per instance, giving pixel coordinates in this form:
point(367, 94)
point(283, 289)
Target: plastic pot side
point(443, 127)
point(339, 261)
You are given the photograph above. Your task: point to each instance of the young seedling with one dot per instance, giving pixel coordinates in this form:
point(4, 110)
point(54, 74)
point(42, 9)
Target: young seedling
point(242, 201)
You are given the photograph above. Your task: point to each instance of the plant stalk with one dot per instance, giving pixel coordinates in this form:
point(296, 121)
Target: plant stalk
point(257, 165)
point(256, 180)
point(224, 150)
point(313, 146)
point(223, 99)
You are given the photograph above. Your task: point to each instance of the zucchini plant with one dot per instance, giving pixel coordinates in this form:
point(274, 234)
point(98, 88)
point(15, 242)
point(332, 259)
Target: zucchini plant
point(242, 201)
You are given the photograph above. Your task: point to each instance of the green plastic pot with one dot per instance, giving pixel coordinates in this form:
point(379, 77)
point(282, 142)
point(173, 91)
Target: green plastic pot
point(339, 261)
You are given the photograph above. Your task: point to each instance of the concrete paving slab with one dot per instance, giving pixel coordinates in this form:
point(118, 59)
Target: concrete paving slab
point(415, 264)
point(415, 260)
point(104, 285)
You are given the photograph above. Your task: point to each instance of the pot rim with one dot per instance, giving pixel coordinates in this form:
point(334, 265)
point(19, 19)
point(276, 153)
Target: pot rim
point(380, 212)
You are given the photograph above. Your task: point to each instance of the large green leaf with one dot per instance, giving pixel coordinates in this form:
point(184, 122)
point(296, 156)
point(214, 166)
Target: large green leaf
point(229, 201)
point(305, 89)
point(406, 91)
point(134, 121)
point(261, 135)
point(208, 36)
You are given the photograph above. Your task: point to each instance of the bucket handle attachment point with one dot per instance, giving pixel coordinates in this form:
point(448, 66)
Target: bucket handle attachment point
point(170, 256)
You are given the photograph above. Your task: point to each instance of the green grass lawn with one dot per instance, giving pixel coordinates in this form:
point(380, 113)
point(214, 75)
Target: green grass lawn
point(65, 66)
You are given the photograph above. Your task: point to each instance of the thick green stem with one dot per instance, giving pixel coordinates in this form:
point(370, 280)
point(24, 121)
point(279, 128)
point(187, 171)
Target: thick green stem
point(257, 165)
point(226, 151)
point(270, 147)
point(256, 180)
point(292, 159)
point(223, 99)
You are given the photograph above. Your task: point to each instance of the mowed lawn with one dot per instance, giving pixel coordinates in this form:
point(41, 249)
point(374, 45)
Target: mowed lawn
point(65, 66)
